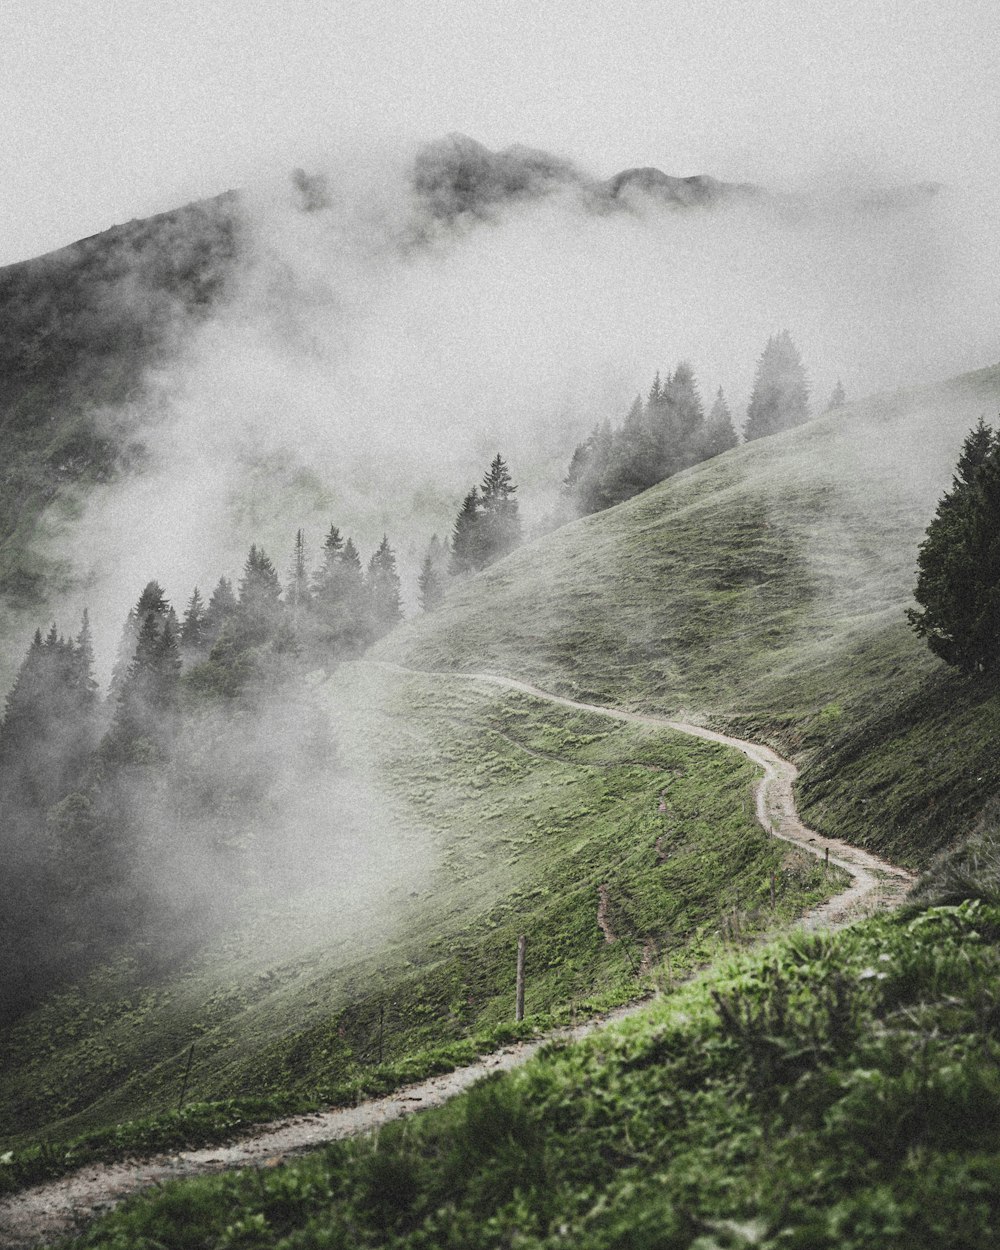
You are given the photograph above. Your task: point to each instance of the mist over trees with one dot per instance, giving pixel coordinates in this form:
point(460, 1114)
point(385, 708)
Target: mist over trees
point(659, 436)
point(780, 396)
point(172, 777)
point(670, 431)
point(488, 525)
point(958, 582)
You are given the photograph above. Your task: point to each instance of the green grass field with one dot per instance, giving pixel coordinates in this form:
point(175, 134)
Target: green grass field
point(832, 1092)
point(765, 591)
point(509, 816)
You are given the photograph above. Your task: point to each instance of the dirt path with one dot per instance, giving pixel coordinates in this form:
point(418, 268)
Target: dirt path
point(877, 884)
point(39, 1215)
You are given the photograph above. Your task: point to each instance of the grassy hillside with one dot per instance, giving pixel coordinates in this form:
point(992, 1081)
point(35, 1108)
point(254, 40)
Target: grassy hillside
point(480, 814)
point(833, 1092)
point(765, 590)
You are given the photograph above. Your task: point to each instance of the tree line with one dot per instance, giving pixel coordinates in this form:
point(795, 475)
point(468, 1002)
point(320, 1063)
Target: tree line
point(670, 431)
point(103, 796)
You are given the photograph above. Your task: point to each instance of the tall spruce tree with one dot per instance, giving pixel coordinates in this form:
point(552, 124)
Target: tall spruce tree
point(325, 580)
point(780, 396)
point(958, 582)
point(143, 718)
point(467, 538)
point(500, 520)
point(684, 421)
point(260, 607)
point(340, 623)
point(222, 608)
point(429, 586)
point(297, 594)
point(194, 634)
point(382, 584)
point(719, 434)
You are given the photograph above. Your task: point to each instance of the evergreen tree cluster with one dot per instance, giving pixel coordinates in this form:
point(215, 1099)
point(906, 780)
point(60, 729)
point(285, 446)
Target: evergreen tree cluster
point(958, 581)
point(670, 431)
point(488, 525)
point(103, 797)
point(667, 432)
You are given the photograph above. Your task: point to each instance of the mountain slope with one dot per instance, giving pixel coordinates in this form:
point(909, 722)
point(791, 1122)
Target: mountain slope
point(475, 814)
point(765, 590)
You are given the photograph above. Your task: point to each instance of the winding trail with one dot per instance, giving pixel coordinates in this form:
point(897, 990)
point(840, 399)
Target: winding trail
point(877, 884)
point(38, 1216)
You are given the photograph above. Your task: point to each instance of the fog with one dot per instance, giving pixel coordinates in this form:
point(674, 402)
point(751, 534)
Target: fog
point(382, 338)
point(376, 352)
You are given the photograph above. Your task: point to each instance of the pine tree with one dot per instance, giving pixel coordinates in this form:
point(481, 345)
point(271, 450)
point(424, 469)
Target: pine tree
point(719, 435)
point(84, 681)
point(326, 575)
point(501, 523)
point(780, 396)
point(431, 590)
point(152, 599)
point(339, 623)
point(143, 717)
point(297, 594)
point(350, 559)
point(260, 607)
point(466, 540)
point(383, 589)
point(685, 421)
point(23, 710)
point(838, 397)
point(958, 583)
point(194, 630)
point(222, 608)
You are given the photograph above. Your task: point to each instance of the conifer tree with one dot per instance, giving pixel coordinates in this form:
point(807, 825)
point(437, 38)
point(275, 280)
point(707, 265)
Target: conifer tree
point(431, 592)
point(222, 607)
point(326, 576)
point(838, 397)
point(84, 681)
point(382, 585)
point(958, 583)
point(259, 610)
point(339, 623)
point(501, 525)
point(148, 694)
point(297, 594)
point(686, 417)
point(466, 540)
point(152, 600)
point(194, 628)
point(586, 482)
point(780, 396)
point(719, 435)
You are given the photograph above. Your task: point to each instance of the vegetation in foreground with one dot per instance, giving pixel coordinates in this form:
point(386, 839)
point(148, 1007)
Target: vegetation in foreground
point(837, 1091)
point(491, 815)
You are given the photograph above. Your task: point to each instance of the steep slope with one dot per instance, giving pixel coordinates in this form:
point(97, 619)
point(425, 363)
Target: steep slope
point(80, 328)
point(476, 814)
point(765, 590)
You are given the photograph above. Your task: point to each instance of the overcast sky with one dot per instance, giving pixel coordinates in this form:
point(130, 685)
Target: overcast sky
point(116, 109)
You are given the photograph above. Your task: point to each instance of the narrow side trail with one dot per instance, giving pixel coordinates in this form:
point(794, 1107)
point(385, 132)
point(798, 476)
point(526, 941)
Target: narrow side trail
point(45, 1212)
